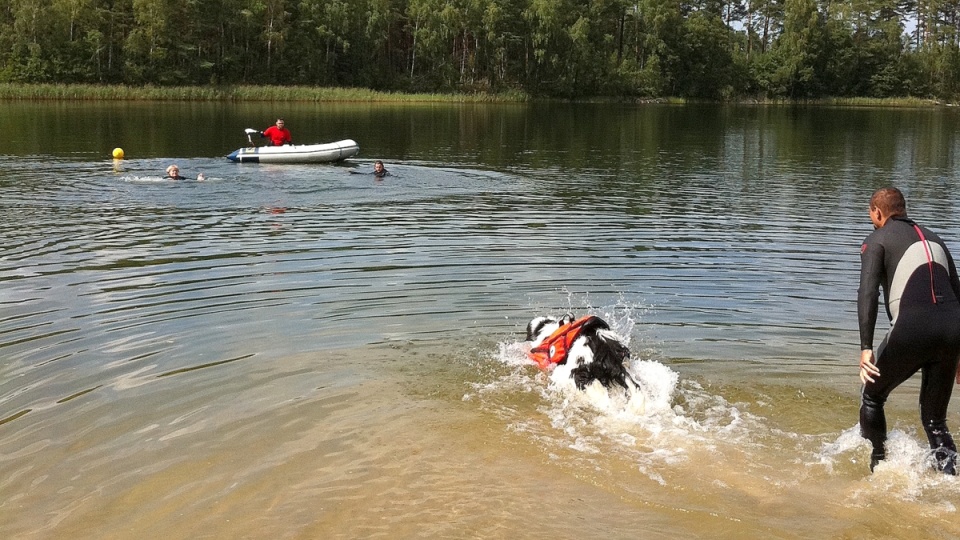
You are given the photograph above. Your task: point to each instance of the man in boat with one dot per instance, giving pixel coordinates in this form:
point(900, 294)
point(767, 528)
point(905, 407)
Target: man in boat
point(921, 291)
point(278, 134)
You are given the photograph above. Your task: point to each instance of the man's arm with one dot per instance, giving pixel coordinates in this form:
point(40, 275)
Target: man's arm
point(954, 280)
point(868, 295)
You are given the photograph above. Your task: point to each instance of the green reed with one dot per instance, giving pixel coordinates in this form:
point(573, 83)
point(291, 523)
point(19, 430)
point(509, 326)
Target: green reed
point(883, 102)
point(90, 92)
point(902, 102)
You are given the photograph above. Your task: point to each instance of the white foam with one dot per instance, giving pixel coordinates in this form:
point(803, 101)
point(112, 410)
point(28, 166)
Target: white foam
point(845, 443)
point(146, 179)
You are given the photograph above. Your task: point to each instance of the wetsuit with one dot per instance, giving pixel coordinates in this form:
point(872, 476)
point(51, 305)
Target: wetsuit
point(277, 136)
point(922, 296)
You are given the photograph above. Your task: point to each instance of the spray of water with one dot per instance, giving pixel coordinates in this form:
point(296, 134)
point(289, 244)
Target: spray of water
point(675, 427)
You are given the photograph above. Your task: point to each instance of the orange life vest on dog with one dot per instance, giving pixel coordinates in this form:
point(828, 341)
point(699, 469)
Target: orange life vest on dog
point(554, 349)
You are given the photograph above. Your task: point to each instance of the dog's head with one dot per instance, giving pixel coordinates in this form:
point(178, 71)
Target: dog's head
point(591, 350)
point(553, 338)
point(540, 328)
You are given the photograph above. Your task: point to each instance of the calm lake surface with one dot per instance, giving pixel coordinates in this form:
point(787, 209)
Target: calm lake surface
point(301, 351)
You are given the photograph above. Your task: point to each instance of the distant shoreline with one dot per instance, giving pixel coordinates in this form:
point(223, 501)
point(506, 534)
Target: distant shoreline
point(251, 93)
point(248, 93)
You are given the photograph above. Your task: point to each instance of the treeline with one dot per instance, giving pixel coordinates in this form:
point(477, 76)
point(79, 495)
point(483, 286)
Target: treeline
point(714, 49)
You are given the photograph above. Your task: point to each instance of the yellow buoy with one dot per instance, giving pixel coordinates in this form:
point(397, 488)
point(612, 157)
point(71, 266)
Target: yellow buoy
point(118, 153)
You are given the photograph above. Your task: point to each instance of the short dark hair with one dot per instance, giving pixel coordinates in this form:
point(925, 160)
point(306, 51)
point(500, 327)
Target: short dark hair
point(890, 201)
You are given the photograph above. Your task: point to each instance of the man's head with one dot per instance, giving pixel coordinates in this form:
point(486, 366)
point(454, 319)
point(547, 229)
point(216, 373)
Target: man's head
point(280, 123)
point(886, 203)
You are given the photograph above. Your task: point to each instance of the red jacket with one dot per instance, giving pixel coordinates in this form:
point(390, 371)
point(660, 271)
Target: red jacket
point(277, 136)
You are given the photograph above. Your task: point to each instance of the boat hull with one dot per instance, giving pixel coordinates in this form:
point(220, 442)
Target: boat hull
point(296, 153)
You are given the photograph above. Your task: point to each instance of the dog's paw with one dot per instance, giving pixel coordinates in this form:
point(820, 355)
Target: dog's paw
point(636, 402)
point(598, 395)
point(582, 377)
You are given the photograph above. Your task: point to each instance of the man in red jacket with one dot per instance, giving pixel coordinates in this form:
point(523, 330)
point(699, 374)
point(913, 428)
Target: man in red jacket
point(277, 134)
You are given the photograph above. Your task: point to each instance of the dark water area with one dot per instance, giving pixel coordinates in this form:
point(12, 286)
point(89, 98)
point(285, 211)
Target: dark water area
point(301, 351)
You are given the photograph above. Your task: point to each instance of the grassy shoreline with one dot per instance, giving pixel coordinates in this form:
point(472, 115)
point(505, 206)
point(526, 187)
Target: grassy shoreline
point(90, 92)
point(250, 93)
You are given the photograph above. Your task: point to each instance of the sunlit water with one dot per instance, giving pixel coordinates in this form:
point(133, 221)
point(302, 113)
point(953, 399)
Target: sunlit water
point(301, 351)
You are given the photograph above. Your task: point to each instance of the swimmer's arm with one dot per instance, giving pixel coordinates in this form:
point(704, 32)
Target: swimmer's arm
point(868, 367)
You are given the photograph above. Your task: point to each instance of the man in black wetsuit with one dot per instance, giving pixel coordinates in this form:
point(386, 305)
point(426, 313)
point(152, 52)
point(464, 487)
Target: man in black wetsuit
point(922, 295)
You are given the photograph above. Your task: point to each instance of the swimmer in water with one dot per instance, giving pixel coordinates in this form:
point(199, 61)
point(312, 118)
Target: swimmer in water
point(173, 173)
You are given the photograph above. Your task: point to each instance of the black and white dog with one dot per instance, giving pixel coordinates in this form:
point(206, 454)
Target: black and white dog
point(584, 349)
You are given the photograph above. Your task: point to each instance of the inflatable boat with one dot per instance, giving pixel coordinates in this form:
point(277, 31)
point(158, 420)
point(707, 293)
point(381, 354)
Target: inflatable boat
point(295, 153)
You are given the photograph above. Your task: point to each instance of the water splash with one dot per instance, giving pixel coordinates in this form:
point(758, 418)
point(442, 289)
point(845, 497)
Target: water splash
point(907, 474)
point(668, 422)
point(677, 430)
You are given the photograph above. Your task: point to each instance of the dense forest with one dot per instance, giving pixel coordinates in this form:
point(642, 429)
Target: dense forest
point(712, 49)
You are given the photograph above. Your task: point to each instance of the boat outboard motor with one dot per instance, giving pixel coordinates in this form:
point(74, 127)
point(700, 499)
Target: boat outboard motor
point(250, 133)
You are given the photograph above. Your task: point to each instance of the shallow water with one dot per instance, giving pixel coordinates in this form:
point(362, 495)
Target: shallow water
point(301, 352)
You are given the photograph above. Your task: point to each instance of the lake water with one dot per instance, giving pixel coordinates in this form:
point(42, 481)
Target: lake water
point(300, 351)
